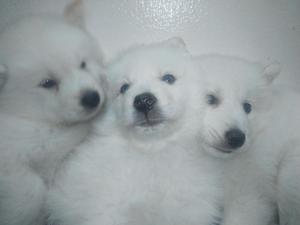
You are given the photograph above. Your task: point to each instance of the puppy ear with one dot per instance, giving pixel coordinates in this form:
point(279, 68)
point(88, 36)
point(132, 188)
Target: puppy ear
point(176, 42)
point(3, 75)
point(74, 13)
point(271, 72)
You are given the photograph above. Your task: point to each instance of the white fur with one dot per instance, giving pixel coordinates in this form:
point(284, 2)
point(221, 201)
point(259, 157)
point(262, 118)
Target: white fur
point(40, 126)
point(143, 175)
point(264, 174)
point(233, 81)
point(288, 195)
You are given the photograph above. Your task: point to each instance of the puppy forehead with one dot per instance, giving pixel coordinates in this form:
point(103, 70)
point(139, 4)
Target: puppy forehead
point(151, 58)
point(143, 69)
point(56, 41)
point(237, 76)
point(231, 93)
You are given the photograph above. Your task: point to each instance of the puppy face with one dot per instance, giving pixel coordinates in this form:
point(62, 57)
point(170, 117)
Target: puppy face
point(232, 98)
point(151, 84)
point(50, 77)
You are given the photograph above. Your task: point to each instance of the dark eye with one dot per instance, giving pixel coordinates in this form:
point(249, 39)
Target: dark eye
point(247, 107)
point(83, 65)
point(124, 88)
point(48, 83)
point(212, 100)
point(168, 78)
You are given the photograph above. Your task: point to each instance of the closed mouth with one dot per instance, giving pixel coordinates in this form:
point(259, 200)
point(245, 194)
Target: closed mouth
point(149, 122)
point(224, 150)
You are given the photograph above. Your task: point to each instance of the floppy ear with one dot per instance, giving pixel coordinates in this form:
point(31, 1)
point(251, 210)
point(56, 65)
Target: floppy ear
point(74, 13)
point(271, 72)
point(3, 75)
point(176, 42)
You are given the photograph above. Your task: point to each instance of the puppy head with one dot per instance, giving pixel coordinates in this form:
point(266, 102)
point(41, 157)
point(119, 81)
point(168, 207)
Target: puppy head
point(54, 71)
point(234, 95)
point(152, 85)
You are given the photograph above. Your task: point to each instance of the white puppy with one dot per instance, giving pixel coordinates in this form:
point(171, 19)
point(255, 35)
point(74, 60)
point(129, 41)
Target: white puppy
point(51, 87)
point(265, 179)
point(266, 124)
point(234, 95)
point(149, 169)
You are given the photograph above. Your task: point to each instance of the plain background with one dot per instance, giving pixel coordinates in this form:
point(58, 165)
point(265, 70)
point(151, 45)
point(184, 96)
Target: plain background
point(260, 30)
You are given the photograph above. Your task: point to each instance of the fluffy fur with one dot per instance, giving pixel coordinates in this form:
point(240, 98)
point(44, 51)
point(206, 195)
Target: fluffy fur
point(147, 169)
point(266, 176)
point(46, 67)
point(262, 174)
point(232, 82)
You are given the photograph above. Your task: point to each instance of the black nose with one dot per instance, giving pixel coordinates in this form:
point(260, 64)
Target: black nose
point(235, 138)
point(90, 99)
point(144, 102)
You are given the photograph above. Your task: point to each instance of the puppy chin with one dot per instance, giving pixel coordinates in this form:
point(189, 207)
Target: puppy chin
point(80, 117)
point(89, 115)
point(222, 151)
point(148, 131)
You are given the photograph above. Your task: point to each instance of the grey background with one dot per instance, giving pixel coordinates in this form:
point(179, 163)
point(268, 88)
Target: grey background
point(261, 30)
